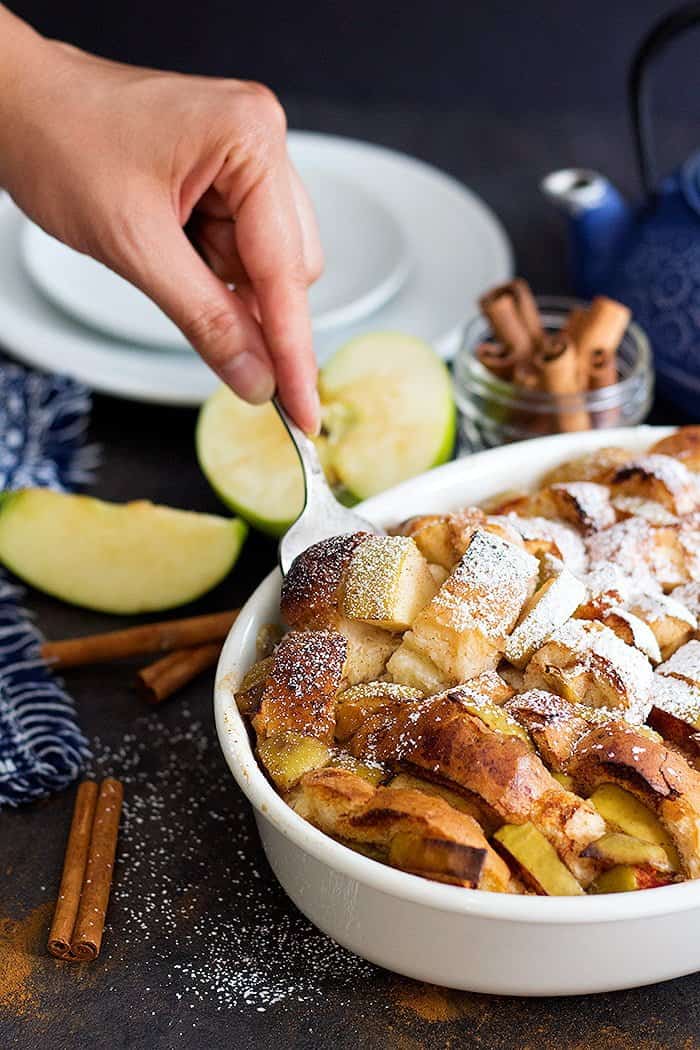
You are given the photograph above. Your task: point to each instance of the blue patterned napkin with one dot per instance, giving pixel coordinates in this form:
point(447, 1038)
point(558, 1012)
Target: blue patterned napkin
point(42, 426)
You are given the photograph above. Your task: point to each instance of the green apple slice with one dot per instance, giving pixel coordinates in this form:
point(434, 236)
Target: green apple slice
point(249, 460)
point(388, 414)
point(117, 558)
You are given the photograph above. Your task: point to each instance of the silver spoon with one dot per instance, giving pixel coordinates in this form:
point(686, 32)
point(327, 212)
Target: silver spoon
point(323, 515)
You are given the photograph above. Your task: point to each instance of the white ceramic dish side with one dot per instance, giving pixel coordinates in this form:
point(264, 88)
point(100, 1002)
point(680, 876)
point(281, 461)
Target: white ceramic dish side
point(483, 942)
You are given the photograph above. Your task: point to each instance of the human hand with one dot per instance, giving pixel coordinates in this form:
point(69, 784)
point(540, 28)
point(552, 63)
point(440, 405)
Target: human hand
point(117, 161)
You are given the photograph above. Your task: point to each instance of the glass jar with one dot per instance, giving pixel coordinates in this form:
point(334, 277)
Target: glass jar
point(494, 411)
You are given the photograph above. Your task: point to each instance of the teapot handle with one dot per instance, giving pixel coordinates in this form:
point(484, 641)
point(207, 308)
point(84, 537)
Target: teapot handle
point(656, 41)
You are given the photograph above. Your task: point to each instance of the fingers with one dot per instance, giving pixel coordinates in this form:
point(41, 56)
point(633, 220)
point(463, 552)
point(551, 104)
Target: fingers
point(215, 320)
point(271, 248)
point(311, 238)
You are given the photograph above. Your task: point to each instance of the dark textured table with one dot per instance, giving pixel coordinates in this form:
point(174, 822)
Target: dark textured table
point(202, 949)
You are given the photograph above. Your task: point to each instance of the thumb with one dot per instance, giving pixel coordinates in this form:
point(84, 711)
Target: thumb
point(213, 319)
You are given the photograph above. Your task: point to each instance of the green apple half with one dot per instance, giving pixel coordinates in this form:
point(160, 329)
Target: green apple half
point(118, 558)
point(388, 413)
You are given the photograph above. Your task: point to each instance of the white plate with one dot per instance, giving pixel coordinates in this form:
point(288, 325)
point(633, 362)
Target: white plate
point(482, 942)
point(366, 263)
point(455, 246)
point(366, 256)
point(34, 331)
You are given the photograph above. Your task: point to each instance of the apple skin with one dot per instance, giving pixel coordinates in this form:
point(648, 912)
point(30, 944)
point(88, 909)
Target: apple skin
point(115, 558)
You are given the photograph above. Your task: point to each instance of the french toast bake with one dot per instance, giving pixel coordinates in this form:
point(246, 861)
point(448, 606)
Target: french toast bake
point(506, 698)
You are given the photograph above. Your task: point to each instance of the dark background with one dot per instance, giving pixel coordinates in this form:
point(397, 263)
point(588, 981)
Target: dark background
point(497, 94)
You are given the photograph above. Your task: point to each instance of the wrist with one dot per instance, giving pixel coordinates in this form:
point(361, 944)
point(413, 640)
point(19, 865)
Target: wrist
point(25, 60)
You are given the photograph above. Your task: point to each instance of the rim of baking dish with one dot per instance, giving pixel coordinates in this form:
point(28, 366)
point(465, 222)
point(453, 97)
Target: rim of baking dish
point(236, 746)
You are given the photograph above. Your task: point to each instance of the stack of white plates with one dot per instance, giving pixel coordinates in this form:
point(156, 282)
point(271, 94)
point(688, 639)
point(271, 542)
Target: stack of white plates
point(407, 248)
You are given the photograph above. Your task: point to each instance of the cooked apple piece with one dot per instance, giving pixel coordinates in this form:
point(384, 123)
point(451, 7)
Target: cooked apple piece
point(661, 479)
point(252, 687)
point(684, 445)
point(388, 582)
point(432, 838)
point(631, 630)
point(624, 879)
point(355, 704)
point(684, 664)
point(538, 860)
point(302, 685)
point(564, 779)
point(599, 466)
point(462, 631)
point(548, 609)
point(620, 809)
point(344, 760)
point(671, 622)
point(118, 558)
point(288, 756)
point(618, 848)
point(586, 663)
point(465, 802)
point(437, 535)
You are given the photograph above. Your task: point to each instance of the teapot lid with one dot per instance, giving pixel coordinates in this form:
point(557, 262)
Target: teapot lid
point(690, 181)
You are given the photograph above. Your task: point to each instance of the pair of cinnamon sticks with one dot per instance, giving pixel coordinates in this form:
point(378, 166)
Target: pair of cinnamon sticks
point(582, 356)
point(78, 922)
point(192, 645)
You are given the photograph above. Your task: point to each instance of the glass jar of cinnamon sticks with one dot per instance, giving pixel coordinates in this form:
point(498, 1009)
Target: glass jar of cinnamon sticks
point(529, 367)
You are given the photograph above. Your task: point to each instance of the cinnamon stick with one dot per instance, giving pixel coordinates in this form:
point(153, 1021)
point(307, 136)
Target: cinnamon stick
point(603, 371)
point(89, 923)
point(574, 323)
point(499, 359)
point(161, 679)
point(133, 641)
point(602, 329)
point(558, 364)
point(502, 308)
point(73, 870)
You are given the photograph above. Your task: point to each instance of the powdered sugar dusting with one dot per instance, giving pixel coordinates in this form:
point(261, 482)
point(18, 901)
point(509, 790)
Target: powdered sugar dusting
point(648, 509)
point(685, 663)
point(565, 539)
point(592, 502)
point(488, 586)
point(243, 948)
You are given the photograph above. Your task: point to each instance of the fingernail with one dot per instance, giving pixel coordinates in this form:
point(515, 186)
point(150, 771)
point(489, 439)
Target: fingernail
point(249, 377)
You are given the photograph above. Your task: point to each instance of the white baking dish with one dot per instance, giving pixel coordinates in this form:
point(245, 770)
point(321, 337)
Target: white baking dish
point(483, 942)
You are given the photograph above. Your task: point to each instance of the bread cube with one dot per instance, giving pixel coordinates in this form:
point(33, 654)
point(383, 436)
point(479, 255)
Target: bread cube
point(683, 445)
point(671, 622)
point(388, 582)
point(684, 664)
point(586, 663)
point(549, 608)
point(302, 685)
point(463, 629)
point(661, 479)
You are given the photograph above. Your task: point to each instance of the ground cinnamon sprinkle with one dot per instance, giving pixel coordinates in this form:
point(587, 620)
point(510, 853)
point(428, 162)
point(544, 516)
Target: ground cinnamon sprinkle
point(430, 1002)
point(21, 950)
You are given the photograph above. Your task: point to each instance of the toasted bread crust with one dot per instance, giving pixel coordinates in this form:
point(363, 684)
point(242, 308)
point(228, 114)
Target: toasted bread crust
point(302, 684)
point(439, 735)
point(312, 589)
point(344, 805)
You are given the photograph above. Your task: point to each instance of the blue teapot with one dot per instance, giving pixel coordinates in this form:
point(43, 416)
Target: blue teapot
point(647, 257)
